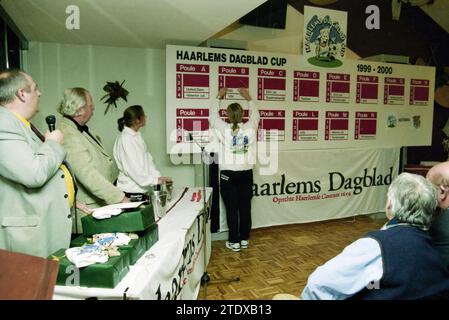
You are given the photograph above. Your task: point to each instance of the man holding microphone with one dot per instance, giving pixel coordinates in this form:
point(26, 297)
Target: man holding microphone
point(37, 191)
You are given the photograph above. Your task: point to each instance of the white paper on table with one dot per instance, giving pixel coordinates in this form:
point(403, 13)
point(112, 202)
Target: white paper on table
point(122, 205)
point(114, 209)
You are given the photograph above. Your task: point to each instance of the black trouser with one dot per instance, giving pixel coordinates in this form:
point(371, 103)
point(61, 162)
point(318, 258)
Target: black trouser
point(236, 189)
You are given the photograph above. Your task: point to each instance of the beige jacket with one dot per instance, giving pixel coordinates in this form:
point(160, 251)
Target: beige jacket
point(35, 216)
point(95, 171)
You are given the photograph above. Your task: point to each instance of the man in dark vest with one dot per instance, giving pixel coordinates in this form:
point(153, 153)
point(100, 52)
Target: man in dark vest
point(396, 262)
point(439, 230)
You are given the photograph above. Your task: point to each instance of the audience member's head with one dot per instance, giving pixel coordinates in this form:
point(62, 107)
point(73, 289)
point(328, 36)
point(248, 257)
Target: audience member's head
point(133, 117)
point(19, 93)
point(77, 104)
point(439, 176)
point(412, 199)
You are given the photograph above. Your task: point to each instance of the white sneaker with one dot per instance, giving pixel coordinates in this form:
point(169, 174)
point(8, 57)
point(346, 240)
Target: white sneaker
point(234, 246)
point(244, 244)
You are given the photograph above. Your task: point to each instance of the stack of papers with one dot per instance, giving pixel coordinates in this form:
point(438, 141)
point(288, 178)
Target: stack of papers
point(114, 209)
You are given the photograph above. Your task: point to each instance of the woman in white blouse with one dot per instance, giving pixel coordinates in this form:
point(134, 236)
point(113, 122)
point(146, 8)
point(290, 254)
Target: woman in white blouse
point(137, 169)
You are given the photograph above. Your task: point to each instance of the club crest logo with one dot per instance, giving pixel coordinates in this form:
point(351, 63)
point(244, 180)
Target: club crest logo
point(324, 42)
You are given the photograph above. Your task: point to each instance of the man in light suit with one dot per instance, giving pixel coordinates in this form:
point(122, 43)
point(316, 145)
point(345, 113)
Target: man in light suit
point(94, 168)
point(36, 190)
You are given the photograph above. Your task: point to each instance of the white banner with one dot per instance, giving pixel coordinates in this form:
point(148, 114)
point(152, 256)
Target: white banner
point(320, 185)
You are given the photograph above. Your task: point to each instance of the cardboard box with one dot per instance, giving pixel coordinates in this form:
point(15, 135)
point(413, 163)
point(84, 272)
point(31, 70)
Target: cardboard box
point(150, 236)
point(98, 275)
point(129, 221)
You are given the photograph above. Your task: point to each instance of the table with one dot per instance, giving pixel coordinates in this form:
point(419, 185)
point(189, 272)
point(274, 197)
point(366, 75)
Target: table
point(173, 267)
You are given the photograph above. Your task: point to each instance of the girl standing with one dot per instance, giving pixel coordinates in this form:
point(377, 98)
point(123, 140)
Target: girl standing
point(237, 158)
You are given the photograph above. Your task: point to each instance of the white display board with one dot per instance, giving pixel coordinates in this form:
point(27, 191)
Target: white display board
point(358, 104)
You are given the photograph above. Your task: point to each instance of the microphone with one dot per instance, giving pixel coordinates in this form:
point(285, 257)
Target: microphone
point(51, 122)
point(192, 139)
point(201, 146)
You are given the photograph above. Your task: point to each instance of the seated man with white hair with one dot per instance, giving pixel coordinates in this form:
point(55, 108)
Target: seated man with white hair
point(396, 262)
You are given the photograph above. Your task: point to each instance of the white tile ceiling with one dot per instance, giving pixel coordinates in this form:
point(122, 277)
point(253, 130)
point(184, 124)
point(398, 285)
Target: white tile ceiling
point(127, 23)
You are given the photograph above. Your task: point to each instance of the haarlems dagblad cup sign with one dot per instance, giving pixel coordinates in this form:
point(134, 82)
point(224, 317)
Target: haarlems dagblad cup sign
point(325, 36)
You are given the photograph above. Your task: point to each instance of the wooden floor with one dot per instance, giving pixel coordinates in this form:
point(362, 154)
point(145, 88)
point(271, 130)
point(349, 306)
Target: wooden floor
point(280, 259)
